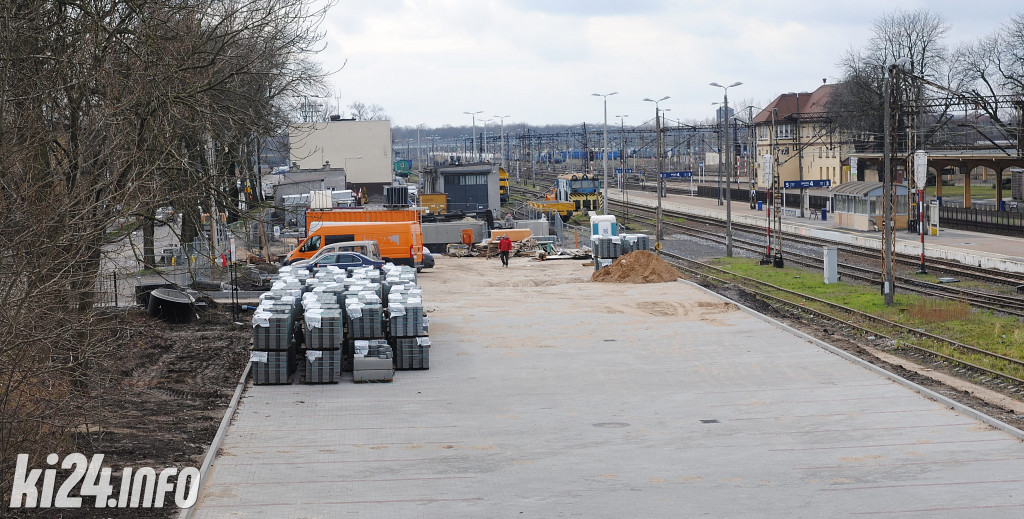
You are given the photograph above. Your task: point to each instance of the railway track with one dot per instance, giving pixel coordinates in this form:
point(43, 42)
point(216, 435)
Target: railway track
point(978, 360)
point(946, 266)
point(1003, 302)
point(1007, 304)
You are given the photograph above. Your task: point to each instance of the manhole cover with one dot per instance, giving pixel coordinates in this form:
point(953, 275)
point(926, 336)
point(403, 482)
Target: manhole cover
point(710, 421)
point(612, 425)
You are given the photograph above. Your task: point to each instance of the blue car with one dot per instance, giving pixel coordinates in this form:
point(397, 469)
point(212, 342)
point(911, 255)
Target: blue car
point(344, 260)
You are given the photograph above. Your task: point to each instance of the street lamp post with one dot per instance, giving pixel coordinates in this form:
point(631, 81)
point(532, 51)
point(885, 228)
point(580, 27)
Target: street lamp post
point(604, 151)
point(484, 143)
point(657, 128)
point(419, 163)
point(720, 201)
point(888, 200)
point(473, 115)
point(728, 162)
point(622, 157)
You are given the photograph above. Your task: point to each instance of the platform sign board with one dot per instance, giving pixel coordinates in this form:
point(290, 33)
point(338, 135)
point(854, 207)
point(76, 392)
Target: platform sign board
point(803, 184)
point(676, 174)
point(920, 169)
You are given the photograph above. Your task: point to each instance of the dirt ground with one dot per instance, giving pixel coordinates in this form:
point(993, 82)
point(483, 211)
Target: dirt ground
point(162, 400)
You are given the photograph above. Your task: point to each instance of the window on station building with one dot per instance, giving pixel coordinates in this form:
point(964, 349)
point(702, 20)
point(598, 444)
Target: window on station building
point(468, 180)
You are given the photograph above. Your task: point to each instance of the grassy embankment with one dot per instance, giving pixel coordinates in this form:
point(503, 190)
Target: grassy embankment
point(946, 318)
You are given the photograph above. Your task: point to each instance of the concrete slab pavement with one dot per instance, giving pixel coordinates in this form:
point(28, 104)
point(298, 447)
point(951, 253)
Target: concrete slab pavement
point(549, 396)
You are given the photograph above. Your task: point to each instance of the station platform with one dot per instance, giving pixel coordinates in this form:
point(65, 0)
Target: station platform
point(974, 248)
point(551, 396)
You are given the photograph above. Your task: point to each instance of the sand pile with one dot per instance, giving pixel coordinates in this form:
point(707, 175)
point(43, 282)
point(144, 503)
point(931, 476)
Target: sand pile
point(637, 267)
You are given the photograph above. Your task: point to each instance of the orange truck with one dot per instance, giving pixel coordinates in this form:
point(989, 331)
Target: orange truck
point(401, 242)
point(360, 215)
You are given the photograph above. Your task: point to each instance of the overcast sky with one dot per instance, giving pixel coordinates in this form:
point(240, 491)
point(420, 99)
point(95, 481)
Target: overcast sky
point(539, 61)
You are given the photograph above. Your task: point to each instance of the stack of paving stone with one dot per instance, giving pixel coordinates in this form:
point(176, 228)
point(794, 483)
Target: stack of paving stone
point(364, 315)
point(273, 350)
point(397, 275)
point(324, 333)
point(407, 322)
point(635, 242)
point(363, 310)
point(405, 311)
point(373, 361)
point(606, 247)
point(411, 352)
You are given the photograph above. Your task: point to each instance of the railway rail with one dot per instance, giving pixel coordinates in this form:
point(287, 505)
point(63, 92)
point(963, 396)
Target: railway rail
point(999, 366)
point(1007, 304)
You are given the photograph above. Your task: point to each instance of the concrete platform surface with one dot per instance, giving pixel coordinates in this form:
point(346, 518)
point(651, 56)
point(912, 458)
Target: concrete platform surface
point(550, 396)
point(974, 248)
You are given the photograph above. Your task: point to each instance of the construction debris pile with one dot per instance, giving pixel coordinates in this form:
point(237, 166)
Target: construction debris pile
point(358, 320)
point(533, 247)
point(640, 266)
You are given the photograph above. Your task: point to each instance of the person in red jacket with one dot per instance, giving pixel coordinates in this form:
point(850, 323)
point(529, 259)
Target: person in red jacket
point(504, 247)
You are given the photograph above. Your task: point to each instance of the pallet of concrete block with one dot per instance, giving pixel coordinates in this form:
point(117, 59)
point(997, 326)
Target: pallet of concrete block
point(364, 274)
point(323, 328)
point(373, 361)
point(272, 367)
point(404, 313)
point(323, 366)
point(398, 274)
point(606, 246)
point(635, 242)
point(411, 352)
point(272, 324)
point(364, 315)
point(600, 263)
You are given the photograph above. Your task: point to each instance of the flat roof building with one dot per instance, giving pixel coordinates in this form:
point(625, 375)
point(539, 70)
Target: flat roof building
point(858, 205)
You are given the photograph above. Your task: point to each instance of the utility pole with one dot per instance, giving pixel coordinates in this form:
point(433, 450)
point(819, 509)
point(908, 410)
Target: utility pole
point(657, 129)
point(888, 187)
point(604, 152)
point(473, 115)
point(728, 163)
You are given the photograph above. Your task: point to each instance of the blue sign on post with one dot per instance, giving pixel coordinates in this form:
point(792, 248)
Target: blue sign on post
point(801, 184)
point(676, 174)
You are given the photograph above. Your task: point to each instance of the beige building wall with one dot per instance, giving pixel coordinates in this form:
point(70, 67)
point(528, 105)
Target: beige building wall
point(314, 144)
point(822, 156)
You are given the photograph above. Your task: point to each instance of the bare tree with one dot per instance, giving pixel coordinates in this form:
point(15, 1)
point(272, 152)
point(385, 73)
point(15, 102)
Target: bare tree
point(993, 66)
point(367, 112)
point(109, 110)
point(857, 103)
